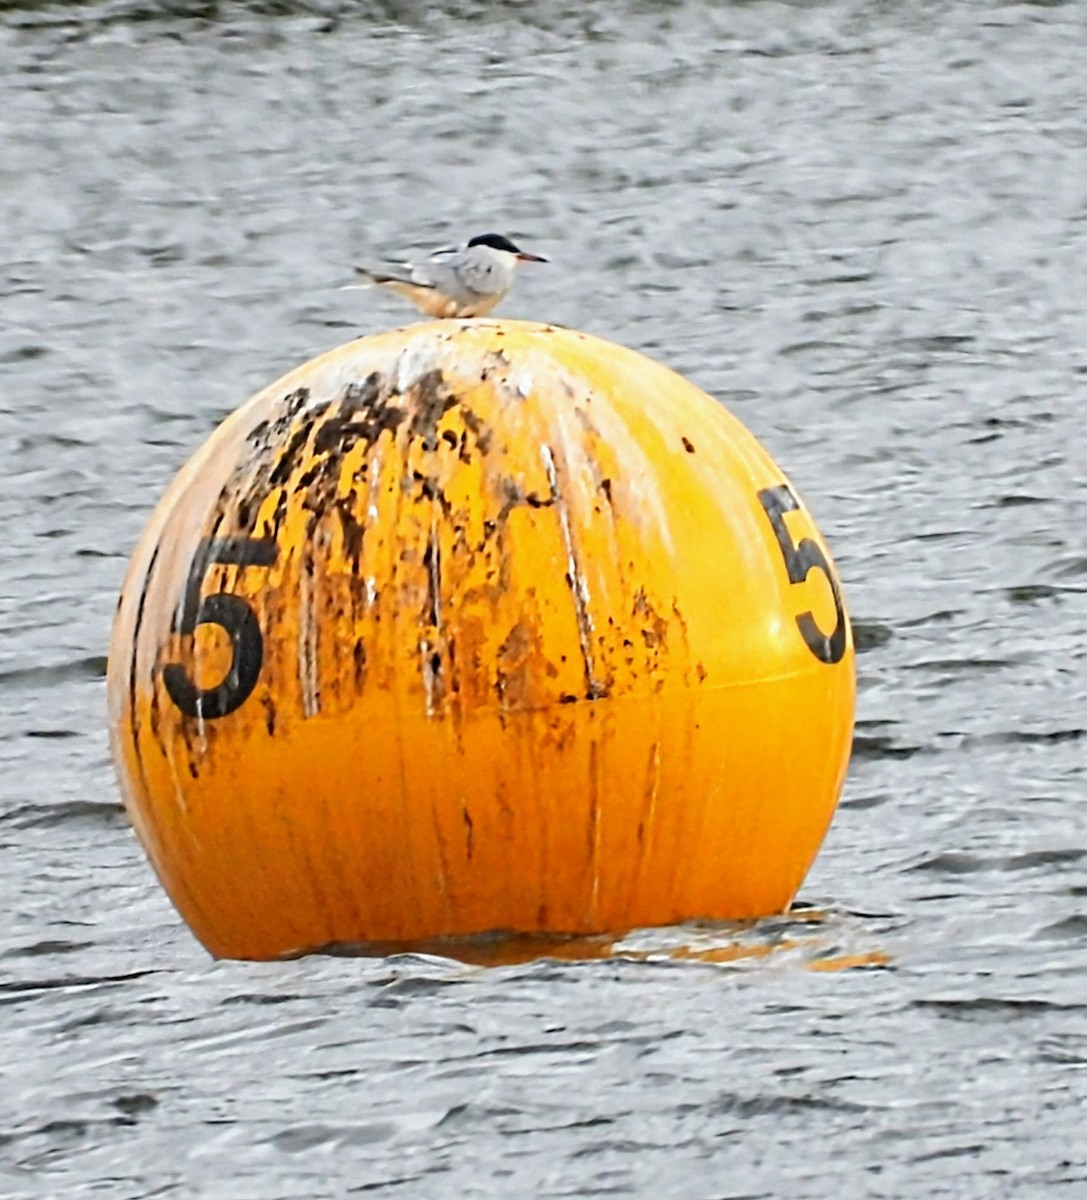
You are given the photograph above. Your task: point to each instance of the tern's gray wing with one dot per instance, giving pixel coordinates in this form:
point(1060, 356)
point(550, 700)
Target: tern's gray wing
point(484, 276)
point(454, 277)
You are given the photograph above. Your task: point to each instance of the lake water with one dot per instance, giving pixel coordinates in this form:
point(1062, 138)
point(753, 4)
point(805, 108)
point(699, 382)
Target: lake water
point(863, 227)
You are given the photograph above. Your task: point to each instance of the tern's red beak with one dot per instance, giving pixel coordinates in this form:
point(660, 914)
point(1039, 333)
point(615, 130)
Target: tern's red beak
point(522, 257)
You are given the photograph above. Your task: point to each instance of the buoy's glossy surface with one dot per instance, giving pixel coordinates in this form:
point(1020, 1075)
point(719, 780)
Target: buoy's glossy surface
point(478, 625)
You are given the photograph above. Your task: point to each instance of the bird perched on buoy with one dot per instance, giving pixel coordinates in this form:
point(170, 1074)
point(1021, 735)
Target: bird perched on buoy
point(458, 281)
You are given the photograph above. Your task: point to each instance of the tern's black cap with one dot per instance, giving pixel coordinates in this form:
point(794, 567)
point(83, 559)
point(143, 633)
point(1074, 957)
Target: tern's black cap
point(496, 242)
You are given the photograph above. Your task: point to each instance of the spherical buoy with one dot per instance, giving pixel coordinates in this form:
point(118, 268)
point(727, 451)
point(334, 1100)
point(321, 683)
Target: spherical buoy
point(472, 626)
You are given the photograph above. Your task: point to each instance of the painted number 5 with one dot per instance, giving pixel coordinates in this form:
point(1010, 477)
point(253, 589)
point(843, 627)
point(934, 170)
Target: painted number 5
point(231, 613)
point(800, 558)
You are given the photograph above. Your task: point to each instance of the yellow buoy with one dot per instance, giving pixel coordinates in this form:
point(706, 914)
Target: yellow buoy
point(478, 625)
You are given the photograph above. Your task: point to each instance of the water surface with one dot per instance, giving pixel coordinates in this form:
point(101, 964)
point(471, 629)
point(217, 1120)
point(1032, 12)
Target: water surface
point(863, 227)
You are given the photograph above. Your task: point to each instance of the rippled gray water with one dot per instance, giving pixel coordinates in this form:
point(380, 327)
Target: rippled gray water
point(863, 226)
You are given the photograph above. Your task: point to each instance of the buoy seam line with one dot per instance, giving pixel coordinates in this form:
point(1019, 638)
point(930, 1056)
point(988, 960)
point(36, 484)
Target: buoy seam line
point(648, 816)
point(593, 697)
point(134, 665)
point(595, 830)
point(399, 729)
point(579, 588)
point(633, 463)
point(611, 697)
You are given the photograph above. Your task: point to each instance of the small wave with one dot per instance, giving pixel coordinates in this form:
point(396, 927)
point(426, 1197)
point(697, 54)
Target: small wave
point(91, 667)
point(80, 812)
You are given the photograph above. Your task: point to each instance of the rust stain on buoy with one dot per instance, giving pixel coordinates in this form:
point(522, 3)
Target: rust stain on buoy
point(478, 625)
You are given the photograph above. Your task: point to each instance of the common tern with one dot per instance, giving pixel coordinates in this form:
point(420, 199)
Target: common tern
point(458, 281)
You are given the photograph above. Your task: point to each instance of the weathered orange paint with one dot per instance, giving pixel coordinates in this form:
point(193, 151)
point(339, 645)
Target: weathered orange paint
point(531, 658)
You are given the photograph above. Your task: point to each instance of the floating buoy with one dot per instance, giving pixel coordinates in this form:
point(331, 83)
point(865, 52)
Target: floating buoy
point(472, 626)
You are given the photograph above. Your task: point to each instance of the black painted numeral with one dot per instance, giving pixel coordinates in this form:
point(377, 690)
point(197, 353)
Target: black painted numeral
point(229, 612)
point(800, 558)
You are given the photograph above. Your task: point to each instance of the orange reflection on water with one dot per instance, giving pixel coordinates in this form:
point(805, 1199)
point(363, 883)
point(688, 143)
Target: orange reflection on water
point(726, 942)
point(849, 962)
